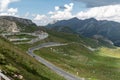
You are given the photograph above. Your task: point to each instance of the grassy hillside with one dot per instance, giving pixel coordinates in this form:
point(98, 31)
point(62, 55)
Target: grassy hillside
point(81, 61)
point(15, 61)
point(27, 28)
point(79, 57)
point(115, 52)
point(65, 38)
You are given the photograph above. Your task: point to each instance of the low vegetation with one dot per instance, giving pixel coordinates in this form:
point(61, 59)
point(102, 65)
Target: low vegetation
point(14, 61)
point(21, 36)
point(63, 38)
point(78, 57)
point(111, 52)
point(83, 62)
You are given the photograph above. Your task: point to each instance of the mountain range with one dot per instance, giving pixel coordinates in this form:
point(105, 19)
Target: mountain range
point(91, 59)
point(89, 28)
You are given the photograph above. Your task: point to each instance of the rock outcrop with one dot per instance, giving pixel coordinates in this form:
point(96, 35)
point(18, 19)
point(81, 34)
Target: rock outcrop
point(15, 24)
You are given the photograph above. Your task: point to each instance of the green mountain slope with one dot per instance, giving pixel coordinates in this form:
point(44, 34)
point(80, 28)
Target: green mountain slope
point(82, 56)
point(79, 60)
point(93, 59)
point(14, 61)
point(66, 38)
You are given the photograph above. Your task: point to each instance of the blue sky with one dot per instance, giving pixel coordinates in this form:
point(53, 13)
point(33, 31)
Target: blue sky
point(44, 6)
point(43, 12)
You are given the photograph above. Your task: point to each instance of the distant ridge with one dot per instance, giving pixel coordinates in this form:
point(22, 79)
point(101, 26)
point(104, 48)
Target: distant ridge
point(89, 28)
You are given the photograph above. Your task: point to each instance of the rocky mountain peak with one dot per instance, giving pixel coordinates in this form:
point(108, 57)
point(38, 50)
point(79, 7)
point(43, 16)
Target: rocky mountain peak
point(15, 24)
point(16, 19)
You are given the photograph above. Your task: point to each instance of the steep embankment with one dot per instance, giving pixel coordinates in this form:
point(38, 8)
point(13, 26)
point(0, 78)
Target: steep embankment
point(14, 61)
point(81, 61)
point(80, 57)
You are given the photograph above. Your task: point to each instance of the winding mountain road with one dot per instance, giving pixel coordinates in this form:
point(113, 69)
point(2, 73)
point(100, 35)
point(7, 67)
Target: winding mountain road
point(56, 69)
point(39, 36)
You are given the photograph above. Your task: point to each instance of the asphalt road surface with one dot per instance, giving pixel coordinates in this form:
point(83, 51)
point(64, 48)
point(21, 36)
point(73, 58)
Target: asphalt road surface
point(56, 69)
point(3, 76)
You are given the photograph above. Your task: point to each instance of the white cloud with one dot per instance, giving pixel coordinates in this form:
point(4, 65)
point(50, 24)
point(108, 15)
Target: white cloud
point(62, 14)
point(7, 14)
point(111, 12)
point(69, 7)
point(10, 12)
point(98, 3)
point(13, 10)
point(4, 10)
point(4, 4)
point(58, 14)
point(57, 8)
point(40, 17)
